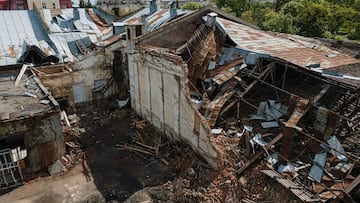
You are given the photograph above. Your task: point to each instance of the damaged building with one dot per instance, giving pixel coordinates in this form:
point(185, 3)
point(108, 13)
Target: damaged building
point(46, 65)
point(31, 134)
point(291, 101)
point(53, 60)
point(72, 50)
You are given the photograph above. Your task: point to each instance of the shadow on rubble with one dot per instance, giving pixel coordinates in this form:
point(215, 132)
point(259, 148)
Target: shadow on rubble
point(117, 174)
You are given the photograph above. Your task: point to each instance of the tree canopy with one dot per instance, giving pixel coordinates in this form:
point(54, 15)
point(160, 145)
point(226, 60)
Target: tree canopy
point(192, 6)
point(338, 19)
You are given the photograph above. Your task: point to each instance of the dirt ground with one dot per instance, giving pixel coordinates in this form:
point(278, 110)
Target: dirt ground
point(121, 158)
point(117, 173)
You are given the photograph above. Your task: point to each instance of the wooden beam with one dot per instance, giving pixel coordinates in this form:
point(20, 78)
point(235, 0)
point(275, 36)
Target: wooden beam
point(214, 72)
point(22, 71)
point(262, 75)
point(353, 185)
point(259, 154)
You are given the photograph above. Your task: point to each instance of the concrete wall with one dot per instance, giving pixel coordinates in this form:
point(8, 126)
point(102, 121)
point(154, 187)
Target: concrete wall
point(159, 93)
point(43, 139)
point(95, 66)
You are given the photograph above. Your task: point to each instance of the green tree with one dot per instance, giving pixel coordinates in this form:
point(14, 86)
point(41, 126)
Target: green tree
point(278, 22)
point(313, 18)
point(309, 17)
point(279, 3)
point(192, 6)
point(236, 6)
point(82, 4)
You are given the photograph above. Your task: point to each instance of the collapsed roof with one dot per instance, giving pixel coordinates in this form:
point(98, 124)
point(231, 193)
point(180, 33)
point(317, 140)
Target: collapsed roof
point(21, 30)
point(270, 91)
point(152, 17)
point(64, 36)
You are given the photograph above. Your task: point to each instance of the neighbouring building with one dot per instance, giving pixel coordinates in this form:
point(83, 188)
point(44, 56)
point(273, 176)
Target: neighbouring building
point(65, 4)
point(290, 99)
point(13, 5)
point(31, 136)
point(84, 41)
point(50, 4)
point(4, 4)
point(75, 56)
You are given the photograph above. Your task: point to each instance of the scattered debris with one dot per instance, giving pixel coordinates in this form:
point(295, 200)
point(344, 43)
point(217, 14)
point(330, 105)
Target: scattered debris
point(56, 168)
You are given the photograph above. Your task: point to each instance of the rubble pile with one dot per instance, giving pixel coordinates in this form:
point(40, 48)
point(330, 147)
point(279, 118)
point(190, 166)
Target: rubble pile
point(301, 134)
point(274, 119)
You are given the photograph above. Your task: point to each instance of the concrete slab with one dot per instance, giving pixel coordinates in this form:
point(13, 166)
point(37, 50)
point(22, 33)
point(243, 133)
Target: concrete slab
point(69, 187)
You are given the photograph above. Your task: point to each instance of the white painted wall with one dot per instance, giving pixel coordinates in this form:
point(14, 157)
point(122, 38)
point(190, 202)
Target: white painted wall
point(159, 93)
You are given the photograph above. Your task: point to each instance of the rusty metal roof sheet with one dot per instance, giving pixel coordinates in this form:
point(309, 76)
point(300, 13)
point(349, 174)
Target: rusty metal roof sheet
point(278, 46)
point(20, 28)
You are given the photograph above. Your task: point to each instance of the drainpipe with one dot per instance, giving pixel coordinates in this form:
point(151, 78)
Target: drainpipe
point(153, 7)
point(211, 19)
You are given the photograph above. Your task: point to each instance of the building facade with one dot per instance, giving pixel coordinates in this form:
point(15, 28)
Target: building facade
point(51, 4)
point(13, 5)
point(65, 4)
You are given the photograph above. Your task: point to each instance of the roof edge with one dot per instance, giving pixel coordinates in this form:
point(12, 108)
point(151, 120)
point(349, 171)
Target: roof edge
point(201, 12)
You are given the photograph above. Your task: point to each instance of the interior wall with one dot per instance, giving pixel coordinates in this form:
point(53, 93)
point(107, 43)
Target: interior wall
point(96, 66)
point(43, 139)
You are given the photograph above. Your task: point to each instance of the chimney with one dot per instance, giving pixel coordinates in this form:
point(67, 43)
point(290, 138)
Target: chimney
point(153, 7)
point(144, 23)
point(211, 19)
point(76, 12)
point(130, 35)
point(173, 9)
point(118, 28)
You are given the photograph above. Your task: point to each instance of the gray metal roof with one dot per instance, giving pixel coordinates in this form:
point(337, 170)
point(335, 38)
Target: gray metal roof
point(65, 22)
point(155, 20)
point(71, 44)
point(19, 29)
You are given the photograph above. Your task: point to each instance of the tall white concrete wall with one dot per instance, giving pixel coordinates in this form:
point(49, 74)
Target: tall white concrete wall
point(159, 93)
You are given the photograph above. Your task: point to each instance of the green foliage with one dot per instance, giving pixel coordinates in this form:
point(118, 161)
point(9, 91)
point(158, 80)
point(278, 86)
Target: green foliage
point(278, 22)
point(192, 6)
point(315, 18)
point(235, 6)
point(309, 17)
point(82, 4)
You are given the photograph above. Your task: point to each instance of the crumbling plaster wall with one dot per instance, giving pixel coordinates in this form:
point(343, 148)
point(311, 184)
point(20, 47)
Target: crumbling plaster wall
point(43, 139)
point(160, 94)
point(95, 66)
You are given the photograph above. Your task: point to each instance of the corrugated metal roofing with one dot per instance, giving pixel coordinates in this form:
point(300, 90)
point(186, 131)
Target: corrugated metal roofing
point(68, 44)
point(269, 43)
point(65, 22)
point(20, 28)
point(156, 19)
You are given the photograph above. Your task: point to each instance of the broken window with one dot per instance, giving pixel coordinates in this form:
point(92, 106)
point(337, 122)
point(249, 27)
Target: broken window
point(12, 155)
